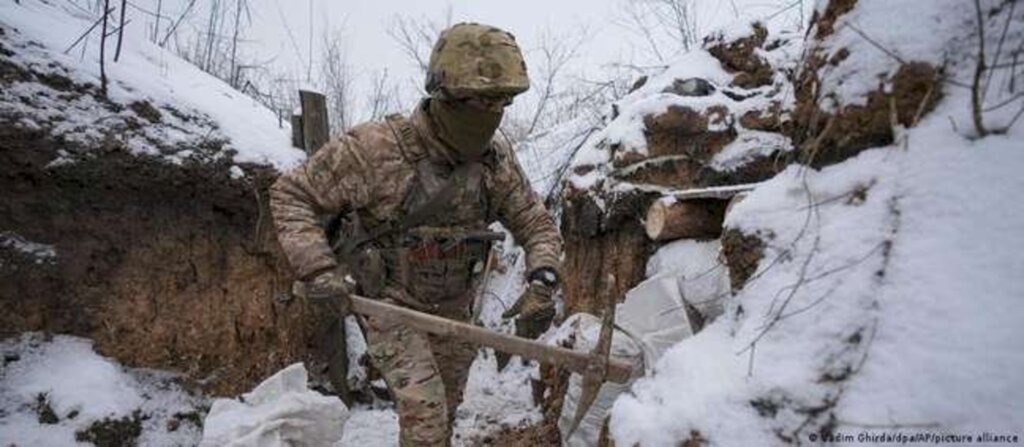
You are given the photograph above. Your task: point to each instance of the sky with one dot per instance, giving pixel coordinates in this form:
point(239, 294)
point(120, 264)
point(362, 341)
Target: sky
point(281, 30)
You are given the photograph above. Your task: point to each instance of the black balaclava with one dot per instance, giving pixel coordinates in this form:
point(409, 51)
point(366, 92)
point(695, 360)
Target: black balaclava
point(467, 130)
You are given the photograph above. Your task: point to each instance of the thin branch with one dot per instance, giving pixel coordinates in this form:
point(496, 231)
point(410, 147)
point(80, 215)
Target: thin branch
point(86, 33)
point(120, 31)
point(876, 44)
point(999, 49)
point(174, 27)
point(1015, 118)
point(1004, 103)
point(979, 69)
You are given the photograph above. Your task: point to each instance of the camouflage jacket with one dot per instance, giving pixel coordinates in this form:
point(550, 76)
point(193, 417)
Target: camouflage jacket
point(368, 171)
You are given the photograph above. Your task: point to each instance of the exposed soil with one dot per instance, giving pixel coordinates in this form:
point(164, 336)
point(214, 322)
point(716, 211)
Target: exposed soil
point(606, 250)
point(165, 266)
point(743, 253)
point(110, 432)
point(825, 23)
point(828, 138)
point(740, 58)
point(825, 138)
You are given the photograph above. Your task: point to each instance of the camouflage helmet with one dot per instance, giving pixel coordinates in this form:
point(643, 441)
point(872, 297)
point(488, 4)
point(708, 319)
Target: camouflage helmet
point(474, 59)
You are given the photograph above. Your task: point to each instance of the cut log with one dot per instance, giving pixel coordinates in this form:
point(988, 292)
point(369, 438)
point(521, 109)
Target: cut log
point(669, 219)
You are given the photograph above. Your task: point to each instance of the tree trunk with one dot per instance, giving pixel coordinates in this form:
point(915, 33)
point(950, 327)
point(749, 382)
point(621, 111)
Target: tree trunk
point(103, 46)
point(120, 31)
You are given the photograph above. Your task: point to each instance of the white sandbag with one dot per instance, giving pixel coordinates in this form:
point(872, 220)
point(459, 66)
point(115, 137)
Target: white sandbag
point(586, 329)
point(652, 319)
point(654, 314)
point(281, 411)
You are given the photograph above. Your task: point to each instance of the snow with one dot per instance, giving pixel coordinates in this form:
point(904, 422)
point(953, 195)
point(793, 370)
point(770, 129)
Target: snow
point(956, 270)
point(41, 31)
point(624, 127)
point(82, 388)
point(893, 30)
point(749, 145)
point(623, 131)
point(40, 253)
point(888, 296)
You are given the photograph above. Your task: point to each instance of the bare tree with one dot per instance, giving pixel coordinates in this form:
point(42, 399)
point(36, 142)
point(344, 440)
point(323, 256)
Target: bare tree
point(120, 31)
point(156, 26)
point(985, 73)
point(336, 81)
point(979, 126)
point(662, 24)
point(174, 27)
point(383, 96)
point(416, 37)
point(103, 46)
point(240, 7)
point(555, 52)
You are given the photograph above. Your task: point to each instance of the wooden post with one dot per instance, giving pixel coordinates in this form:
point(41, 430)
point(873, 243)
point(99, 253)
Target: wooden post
point(297, 140)
point(314, 120)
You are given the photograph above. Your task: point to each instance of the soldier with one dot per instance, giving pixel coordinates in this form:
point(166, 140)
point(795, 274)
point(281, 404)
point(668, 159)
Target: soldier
point(416, 195)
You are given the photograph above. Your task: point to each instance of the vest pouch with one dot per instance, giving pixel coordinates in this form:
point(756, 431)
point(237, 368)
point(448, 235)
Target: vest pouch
point(436, 264)
point(369, 271)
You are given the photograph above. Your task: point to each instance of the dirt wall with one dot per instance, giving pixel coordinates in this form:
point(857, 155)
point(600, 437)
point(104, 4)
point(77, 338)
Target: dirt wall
point(163, 265)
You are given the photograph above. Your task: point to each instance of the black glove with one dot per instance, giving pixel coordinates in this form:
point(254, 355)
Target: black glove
point(331, 291)
point(535, 310)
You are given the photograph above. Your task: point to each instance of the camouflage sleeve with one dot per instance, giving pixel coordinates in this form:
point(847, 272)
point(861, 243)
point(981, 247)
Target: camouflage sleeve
point(331, 181)
point(521, 210)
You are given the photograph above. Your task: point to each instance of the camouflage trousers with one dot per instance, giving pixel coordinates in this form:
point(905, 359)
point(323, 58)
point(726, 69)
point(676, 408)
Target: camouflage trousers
point(426, 373)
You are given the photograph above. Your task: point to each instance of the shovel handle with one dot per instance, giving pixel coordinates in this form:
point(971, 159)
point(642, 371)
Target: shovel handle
point(578, 362)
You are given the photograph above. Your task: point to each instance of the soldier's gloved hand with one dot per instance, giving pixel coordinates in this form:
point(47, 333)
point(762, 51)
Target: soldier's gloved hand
point(331, 290)
point(535, 310)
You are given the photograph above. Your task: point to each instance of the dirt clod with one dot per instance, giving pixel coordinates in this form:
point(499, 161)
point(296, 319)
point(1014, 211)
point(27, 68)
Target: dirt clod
point(44, 411)
point(740, 57)
point(111, 432)
point(146, 110)
point(743, 253)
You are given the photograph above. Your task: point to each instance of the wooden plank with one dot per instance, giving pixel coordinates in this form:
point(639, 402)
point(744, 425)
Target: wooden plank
point(713, 192)
point(315, 130)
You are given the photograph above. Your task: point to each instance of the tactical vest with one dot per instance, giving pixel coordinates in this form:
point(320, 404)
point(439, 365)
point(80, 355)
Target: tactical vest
point(437, 244)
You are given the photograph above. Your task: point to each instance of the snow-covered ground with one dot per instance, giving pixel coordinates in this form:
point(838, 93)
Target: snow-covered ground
point(83, 388)
point(57, 391)
point(193, 106)
point(888, 300)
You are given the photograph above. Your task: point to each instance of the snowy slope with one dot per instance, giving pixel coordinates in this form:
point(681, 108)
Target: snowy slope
point(888, 299)
point(194, 105)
